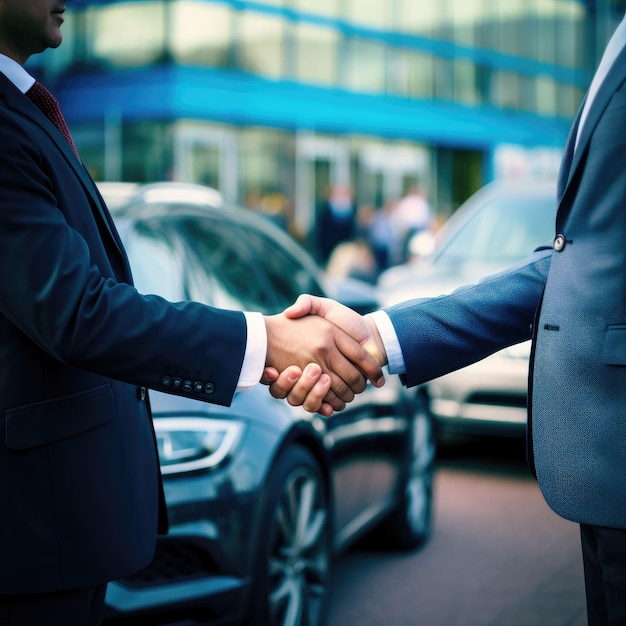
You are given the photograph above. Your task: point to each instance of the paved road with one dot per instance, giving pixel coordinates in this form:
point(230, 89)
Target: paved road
point(498, 556)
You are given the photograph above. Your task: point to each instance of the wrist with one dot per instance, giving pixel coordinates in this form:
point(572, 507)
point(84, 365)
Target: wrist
point(374, 344)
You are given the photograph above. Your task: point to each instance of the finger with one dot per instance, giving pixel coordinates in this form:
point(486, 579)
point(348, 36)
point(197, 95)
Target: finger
point(270, 374)
point(281, 387)
point(342, 393)
point(325, 410)
point(333, 401)
point(348, 378)
point(304, 386)
point(355, 355)
point(315, 397)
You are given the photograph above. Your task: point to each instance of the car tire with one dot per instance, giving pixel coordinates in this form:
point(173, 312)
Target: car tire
point(409, 525)
point(292, 569)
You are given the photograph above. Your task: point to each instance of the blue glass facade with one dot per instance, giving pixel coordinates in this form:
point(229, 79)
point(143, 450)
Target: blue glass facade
point(282, 98)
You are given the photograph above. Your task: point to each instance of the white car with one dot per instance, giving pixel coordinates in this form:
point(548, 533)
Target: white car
point(499, 225)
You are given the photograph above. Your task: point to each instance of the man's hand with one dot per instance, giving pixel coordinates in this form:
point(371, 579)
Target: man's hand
point(310, 339)
point(305, 390)
point(360, 328)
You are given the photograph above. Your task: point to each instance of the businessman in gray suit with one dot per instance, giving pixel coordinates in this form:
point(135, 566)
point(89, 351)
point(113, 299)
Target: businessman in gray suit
point(570, 298)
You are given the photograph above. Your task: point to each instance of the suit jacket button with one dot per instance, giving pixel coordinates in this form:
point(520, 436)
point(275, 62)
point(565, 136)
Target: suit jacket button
point(187, 386)
point(209, 388)
point(198, 386)
point(559, 242)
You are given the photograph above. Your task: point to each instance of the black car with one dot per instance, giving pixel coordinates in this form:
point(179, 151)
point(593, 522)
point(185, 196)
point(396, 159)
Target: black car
point(261, 496)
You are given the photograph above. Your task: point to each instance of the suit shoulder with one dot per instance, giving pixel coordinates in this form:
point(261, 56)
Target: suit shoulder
point(17, 131)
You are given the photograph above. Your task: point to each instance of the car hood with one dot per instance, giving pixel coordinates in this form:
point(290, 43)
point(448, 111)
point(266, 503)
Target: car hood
point(423, 280)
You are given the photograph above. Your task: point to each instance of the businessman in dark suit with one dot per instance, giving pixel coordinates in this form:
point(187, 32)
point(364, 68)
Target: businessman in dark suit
point(570, 298)
point(81, 498)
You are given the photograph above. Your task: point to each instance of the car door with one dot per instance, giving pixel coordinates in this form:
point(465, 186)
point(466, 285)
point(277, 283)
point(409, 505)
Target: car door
point(352, 436)
point(253, 266)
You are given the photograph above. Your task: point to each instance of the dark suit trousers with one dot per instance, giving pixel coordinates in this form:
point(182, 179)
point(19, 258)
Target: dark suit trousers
point(604, 560)
point(79, 607)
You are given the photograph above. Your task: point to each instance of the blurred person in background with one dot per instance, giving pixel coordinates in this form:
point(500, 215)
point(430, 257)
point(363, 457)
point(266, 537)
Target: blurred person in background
point(354, 258)
point(569, 298)
point(381, 235)
point(335, 221)
point(411, 215)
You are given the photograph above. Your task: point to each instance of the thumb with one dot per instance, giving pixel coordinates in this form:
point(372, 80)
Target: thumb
point(304, 305)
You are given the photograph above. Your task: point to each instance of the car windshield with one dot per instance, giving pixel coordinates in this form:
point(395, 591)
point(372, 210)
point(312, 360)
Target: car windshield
point(503, 230)
point(216, 262)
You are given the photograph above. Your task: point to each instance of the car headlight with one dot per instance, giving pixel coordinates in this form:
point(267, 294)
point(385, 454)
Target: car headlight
point(188, 444)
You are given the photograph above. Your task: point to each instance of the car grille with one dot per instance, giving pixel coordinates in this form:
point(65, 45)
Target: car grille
point(515, 400)
point(175, 560)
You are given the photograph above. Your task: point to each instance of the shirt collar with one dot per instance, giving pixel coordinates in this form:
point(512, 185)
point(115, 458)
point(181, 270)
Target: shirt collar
point(16, 73)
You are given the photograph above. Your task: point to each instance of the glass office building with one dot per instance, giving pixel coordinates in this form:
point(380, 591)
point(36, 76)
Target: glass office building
point(274, 100)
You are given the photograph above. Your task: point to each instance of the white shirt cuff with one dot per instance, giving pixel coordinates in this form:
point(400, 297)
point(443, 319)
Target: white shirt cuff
point(395, 359)
point(256, 352)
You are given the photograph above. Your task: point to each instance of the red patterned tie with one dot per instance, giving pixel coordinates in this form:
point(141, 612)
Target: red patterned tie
point(50, 107)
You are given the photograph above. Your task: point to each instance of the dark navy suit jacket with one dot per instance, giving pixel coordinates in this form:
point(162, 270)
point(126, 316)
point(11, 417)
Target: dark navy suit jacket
point(571, 299)
point(79, 478)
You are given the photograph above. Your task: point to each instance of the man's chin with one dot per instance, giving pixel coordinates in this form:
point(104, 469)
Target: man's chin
point(54, 36)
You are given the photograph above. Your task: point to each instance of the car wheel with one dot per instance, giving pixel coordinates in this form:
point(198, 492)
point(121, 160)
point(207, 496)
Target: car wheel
point(410, 523)
point(292, 582)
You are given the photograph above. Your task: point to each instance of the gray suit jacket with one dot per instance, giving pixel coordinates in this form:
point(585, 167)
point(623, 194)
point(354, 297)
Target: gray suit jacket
point(571, 299)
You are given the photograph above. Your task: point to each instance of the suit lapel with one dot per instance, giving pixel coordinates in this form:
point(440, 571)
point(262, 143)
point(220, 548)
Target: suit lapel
point(21, 104)
point(612, 81)
point(568, 155)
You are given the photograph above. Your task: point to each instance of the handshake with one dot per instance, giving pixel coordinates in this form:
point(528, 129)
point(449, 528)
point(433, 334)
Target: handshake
point(321, 353)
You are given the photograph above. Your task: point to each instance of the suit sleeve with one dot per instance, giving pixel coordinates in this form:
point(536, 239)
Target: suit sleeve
point(57, 287)
point(443, 334)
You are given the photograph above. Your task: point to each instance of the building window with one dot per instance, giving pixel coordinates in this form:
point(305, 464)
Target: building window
point(466, 18)
point(200, 33)
point(267, 175)
point(367, 66)
point(411, 73)
point(546, 96)
point(444, 78)
point(466, 88)
point(327, 8)
point(424, 19)
point(505, 90)
point(126, 34)
point(377, 15)
point(527, 94)
point(260, 42)
point(572, 46)
point(512, 33)
point(316, 58)
point(546, 35)
point(147, 151)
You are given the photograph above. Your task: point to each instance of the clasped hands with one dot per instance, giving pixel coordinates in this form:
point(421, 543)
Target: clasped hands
point(321, 353)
